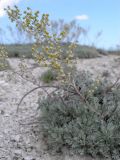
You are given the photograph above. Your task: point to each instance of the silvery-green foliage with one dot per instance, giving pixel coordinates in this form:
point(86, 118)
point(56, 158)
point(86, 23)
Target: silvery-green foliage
point(90, 126)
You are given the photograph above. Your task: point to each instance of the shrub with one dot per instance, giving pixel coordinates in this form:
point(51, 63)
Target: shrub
point(114, 52)
point(50, 54)
point(19, 50)
point(4, 64)
point(102, 51)
point(86, 118)
point(48, 76)
point(86, 52)
point(51, 75)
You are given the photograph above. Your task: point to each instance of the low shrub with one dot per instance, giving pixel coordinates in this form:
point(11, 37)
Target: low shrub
point(86, 118)
point(86, 52)
point(102, 51)
point(48, 76)
point(114, 52)
point(19, 50)
point(52, 75)
point(4, 65)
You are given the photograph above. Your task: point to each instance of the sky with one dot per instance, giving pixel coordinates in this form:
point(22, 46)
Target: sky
point(94, 15)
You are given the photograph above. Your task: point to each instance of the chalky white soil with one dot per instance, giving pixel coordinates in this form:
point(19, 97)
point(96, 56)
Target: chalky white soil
point(20, 137)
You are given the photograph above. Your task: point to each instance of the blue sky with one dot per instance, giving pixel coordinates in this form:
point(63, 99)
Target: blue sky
point(102, 15)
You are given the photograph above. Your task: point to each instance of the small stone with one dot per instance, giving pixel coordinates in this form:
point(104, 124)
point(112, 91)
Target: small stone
point(29, 158)
point(18, 152)
point(30, 149)
point(15, 138)
point(2, 112)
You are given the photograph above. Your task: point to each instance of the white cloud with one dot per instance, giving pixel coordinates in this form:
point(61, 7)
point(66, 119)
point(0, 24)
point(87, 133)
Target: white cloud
point(5, 3)
point(82, 17)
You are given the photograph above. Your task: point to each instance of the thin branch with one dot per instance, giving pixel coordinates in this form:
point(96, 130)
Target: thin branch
point(114, 84)
point(36, 88)
point(21, 75)
point(84, 99)
point(78, 92)
point(108, 116)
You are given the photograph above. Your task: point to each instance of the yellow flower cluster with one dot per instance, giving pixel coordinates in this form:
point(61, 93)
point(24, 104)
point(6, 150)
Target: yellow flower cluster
point(48, 49)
